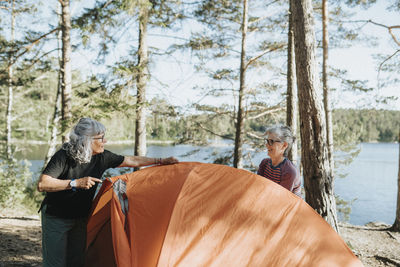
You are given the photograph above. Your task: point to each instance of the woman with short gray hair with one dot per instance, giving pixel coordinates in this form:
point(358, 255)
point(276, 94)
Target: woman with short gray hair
point(278, 168)
point(70, 180)
point(80, 138)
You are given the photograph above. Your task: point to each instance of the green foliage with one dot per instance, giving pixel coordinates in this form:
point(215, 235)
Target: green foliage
point(16, 187)
point(225, 159)
point(164, 123)
point(395, 6)
point(344, 208)
point(389, 68)
point(343, 32)
point(362, 3)
point(94, 101)
point(216, 44)
point(114, 22)
point(365, 125)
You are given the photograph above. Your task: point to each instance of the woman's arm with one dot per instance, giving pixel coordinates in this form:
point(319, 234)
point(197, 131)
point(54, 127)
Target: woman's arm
point(47, 183)
point(138, 161)
point(289, 176)
point(287, 181)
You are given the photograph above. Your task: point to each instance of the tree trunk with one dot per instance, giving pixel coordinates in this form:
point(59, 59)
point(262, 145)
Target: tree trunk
point(10, 88)
point(291, 99)
point(66, 75)
point(318, 179)
point(56, 114)
point(396, 224)
point(328, 113)
point(142, 78)
point(238, 159)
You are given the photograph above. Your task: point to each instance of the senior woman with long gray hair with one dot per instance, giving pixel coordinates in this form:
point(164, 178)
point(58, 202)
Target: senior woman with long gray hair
point(278, 168)
point(69, 181)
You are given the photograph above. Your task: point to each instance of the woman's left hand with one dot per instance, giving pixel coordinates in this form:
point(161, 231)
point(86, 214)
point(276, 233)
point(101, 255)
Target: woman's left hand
point(170, 160)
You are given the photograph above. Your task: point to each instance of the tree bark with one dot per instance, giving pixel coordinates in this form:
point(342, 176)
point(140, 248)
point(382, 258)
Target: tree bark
point(291, 99)
point(66, 75)
point(328, 113)
point(142, 78)
point(238, 151)
point(396, 224)
point(318, 179)
point(10, 88)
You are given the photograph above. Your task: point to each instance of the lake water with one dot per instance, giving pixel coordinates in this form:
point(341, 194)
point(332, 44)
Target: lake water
point(371, 181)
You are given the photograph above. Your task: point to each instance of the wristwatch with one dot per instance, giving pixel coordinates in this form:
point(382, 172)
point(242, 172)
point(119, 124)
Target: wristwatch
point(73, 184)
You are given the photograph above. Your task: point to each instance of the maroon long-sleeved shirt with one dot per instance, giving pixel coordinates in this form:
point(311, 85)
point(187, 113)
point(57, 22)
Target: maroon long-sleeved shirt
point(285, 173)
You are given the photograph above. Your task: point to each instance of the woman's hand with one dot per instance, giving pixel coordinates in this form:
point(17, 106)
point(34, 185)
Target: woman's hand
point(86, 182)
point(170, 160)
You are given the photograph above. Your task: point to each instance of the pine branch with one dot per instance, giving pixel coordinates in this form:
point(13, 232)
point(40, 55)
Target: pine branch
point(266, 111)
point(212, 132)
point(40, 57)
point(29, 47)
point(168, 36)
point(253, 135)
point(210, 92)
point(383, 62)
point(264, 17)
point(389, 28)
point(393, 36)
point(253, 59)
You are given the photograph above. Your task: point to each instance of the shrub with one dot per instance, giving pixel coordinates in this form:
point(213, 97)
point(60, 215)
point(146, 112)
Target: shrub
point(16, 188)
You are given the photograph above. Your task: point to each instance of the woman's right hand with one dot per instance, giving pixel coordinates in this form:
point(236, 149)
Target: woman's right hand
point(86, 182)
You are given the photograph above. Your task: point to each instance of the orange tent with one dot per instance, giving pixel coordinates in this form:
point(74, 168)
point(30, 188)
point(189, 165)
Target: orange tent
point(197, 214)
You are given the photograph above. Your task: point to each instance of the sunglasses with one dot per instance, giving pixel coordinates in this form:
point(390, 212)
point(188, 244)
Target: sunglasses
point(271, 142)
point(99, 138)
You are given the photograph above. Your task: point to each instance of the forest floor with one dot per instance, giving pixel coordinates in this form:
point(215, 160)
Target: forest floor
point(20, 242)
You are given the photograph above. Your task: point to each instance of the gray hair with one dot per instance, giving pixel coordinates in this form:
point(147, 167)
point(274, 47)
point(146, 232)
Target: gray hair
point(284, 133)
point(80, 139)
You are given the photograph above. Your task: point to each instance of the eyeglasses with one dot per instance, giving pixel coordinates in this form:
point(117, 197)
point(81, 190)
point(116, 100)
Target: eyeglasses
point(271, 142)
point(99, 138)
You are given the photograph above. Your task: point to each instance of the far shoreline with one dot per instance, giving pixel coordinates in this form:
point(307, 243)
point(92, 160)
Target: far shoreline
point(151, 142)
point(117, 142)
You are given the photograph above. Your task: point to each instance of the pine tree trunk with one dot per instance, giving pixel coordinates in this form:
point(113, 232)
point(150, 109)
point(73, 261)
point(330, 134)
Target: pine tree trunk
point(10, 89)
point(396, 224)
point(238, 151)
point(318, 179)
point(142, 78)
point(66, 75)
point(291, 99)
point(328, 113)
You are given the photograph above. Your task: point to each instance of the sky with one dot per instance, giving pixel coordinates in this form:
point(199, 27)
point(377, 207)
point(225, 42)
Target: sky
point(176, 75)
point(358, 59)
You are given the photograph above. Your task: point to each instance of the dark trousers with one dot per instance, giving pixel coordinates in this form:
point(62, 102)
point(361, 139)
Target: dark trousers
point(63, 241)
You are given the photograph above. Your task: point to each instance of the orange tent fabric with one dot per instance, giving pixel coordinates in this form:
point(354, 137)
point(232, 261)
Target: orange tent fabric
point(198, 214)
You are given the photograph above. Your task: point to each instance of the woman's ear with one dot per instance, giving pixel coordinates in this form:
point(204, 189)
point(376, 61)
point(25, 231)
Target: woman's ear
point(285, 145)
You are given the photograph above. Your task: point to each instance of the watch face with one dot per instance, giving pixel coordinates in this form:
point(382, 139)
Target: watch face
point(72, 183)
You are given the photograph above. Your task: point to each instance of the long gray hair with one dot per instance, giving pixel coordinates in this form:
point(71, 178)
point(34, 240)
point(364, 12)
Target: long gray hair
point(80, 139)
point(284, 133)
